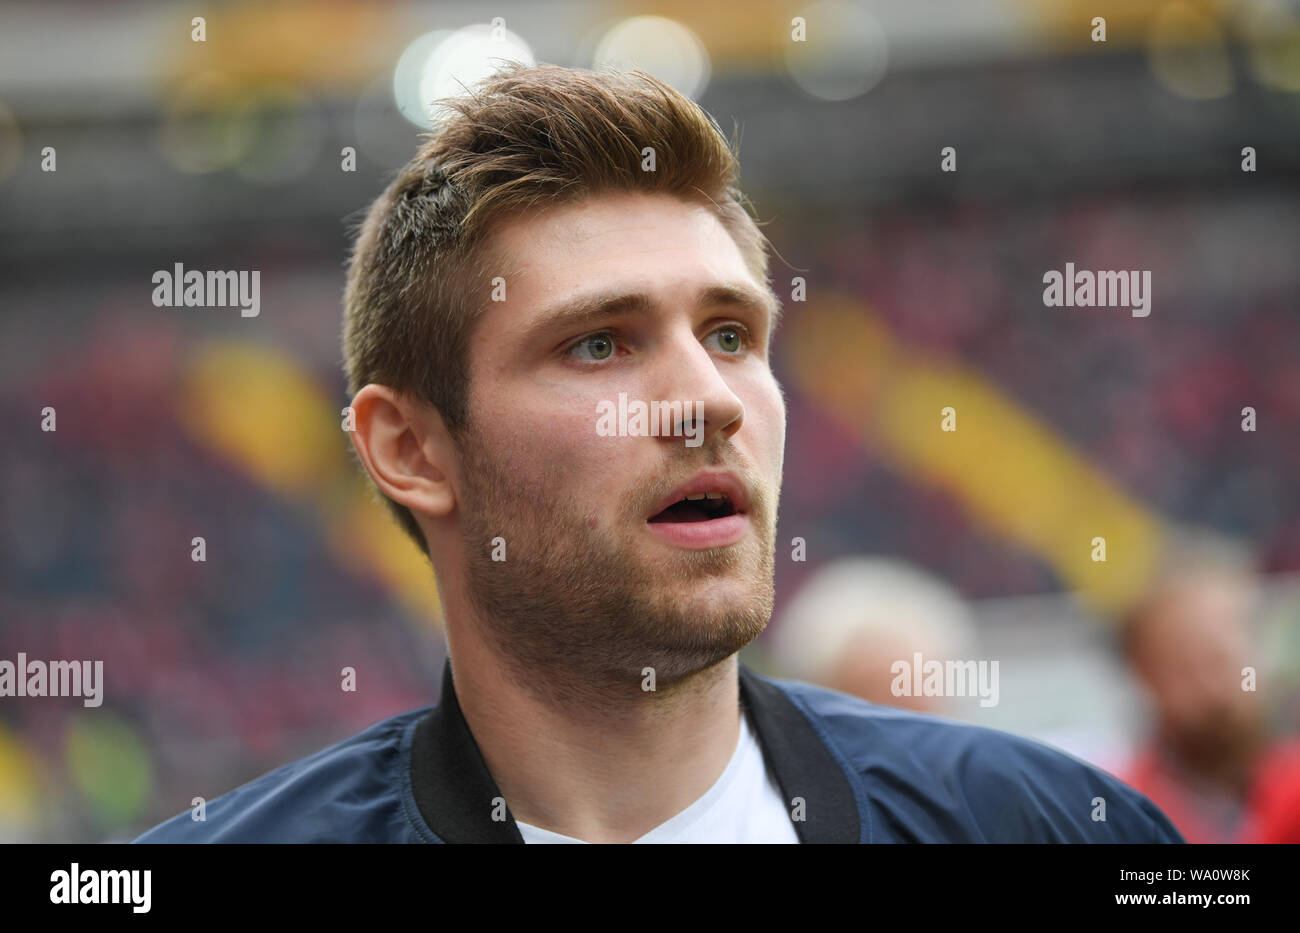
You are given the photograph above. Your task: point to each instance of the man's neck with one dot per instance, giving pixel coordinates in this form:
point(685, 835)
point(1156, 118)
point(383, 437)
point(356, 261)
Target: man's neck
point(607, 771)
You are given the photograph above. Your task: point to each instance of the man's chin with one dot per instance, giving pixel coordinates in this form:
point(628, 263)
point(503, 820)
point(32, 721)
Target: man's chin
point(700, 649)
point(727, 602)
point(723, 614)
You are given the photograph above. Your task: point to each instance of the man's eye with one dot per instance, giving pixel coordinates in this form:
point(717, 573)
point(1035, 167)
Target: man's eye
point(597, 347)
point(730, 339)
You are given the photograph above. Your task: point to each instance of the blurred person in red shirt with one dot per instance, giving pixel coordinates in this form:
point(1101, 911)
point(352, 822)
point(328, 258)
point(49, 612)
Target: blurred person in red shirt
point(1209, 763)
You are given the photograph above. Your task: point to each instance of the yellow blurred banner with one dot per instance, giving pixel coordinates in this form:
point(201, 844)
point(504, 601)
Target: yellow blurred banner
point(1011, 471)
point(257, 408)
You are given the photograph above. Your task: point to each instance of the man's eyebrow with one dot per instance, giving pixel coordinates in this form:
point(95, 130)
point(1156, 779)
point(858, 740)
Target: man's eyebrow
point(592, 308)
point(588, 308)
point(763, 300)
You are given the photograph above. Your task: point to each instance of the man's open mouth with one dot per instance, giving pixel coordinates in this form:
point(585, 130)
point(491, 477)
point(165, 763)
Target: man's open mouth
point(701, 507)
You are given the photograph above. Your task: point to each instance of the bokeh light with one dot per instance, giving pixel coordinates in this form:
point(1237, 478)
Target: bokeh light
point(1271, 34)
point(109, 763)
point(203, 129)
point(658, 46)
point(288, 131)
point(1187, 55)
point(843, 53)
point(446, 64)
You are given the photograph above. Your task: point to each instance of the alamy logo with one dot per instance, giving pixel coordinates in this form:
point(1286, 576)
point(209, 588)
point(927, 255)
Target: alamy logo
point(54, 679)
point(918, 677)
point(213, 289)
point(1103, 289)
point(653, 419)
point(102, 887)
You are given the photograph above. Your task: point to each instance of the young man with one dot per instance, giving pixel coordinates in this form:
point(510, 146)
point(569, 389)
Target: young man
point(558, 333)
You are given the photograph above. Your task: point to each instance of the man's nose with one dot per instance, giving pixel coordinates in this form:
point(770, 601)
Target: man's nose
point(689, 373)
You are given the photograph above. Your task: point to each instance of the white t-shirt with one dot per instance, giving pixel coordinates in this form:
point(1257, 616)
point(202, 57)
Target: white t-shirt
point(744, 805)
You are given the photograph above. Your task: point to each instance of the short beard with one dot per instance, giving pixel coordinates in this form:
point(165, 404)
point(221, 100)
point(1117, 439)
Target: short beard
point(575, 614)
point(1222, 748)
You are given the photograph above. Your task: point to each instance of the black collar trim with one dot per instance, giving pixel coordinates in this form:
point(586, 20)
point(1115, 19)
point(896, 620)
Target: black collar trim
point(457, 796)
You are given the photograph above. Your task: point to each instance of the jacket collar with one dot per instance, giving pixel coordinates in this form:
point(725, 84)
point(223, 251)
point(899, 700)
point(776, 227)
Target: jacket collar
point(457, 797)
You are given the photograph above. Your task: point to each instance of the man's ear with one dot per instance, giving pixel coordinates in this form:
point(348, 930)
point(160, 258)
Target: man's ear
point(405, 447)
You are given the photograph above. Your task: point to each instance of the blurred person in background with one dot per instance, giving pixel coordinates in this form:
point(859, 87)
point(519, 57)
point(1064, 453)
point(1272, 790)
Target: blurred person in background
point(1209, 762)
point(857, 616)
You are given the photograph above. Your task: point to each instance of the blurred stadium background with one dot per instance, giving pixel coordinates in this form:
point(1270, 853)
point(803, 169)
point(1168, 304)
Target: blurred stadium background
point(923, 287)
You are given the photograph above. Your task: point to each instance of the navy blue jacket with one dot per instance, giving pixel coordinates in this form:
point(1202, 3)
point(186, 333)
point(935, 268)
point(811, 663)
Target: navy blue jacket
point(865, 773)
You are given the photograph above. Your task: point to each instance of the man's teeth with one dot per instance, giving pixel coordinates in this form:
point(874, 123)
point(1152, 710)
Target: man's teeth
point(704, 495)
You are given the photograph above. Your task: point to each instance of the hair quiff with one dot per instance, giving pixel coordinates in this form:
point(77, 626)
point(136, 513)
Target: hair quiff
point(527, 138)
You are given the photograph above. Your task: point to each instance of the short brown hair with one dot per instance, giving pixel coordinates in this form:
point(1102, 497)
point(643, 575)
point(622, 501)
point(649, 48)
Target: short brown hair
point(527, 138)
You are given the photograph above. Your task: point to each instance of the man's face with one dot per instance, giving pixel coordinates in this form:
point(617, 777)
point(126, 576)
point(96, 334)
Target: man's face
point(646, 296)
point(1194, 647)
